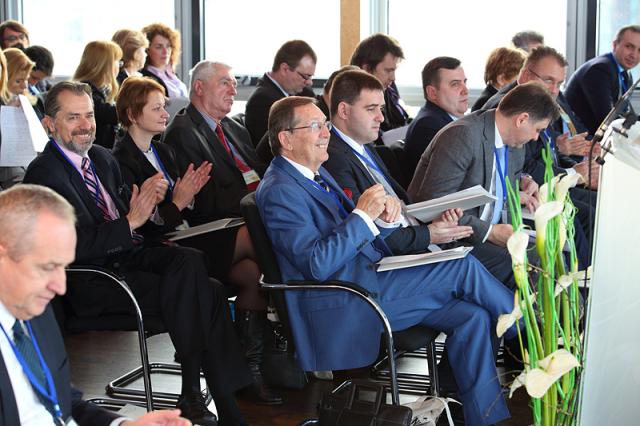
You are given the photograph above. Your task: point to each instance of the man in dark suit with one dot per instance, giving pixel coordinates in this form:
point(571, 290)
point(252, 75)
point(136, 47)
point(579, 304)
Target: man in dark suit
point(566, 136)
point(464, 154)
point(597, 85)
point(319, 234)
point(291, 74)
point(356, 106)
point(447, 98)
point(169, 281)
point(380, 55)
point(203, 132)
point(37, 241)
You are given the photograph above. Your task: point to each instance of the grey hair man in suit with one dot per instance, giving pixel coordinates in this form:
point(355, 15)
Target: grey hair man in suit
point(463, 155)
point(37, 241)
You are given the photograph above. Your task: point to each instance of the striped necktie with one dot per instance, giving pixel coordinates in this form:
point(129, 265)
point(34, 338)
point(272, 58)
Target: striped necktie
point(25, 346)
point(91, 180)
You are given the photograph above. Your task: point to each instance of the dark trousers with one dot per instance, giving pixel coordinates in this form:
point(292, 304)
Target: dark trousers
point(173, 283)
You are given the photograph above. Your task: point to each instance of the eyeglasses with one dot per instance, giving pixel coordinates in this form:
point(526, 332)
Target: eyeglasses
point(12, 38)
point(305, 76)
point(546, 80)
point(315, 126)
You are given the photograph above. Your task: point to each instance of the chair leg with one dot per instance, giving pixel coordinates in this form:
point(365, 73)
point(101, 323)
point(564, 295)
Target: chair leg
point(432, 362)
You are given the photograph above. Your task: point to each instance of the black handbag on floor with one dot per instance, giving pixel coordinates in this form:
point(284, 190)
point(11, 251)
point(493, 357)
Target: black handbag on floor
point(279, 364)
point(361, 403)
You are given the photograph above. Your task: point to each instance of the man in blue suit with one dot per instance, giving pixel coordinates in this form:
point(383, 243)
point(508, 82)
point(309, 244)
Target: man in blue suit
point(318, 234)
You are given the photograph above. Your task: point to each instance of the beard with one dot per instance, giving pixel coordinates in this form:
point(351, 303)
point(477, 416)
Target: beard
point(80, 148)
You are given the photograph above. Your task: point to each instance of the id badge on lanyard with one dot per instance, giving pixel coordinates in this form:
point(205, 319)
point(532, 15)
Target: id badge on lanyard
point(250, 177)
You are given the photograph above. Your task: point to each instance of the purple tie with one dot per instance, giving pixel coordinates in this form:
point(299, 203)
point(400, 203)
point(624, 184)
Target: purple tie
point(91, 180)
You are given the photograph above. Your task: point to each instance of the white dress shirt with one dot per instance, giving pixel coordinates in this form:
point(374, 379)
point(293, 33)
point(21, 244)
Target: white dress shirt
point(30, 409)
point(487, 211)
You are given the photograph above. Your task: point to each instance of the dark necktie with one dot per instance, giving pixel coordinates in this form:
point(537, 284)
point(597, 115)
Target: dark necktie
point(320, 181)
point(240, 163)
point(25, 346)
point(94, 188)
point(342, 208)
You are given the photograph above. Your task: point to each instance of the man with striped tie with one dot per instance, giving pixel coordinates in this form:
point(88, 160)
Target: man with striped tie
point(166, 280)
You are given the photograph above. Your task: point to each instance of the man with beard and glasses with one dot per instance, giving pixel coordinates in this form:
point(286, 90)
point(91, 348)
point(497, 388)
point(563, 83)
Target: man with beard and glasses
point(166, 280)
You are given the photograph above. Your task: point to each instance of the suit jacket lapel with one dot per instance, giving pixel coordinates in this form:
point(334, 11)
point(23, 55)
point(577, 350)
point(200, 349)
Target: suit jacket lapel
point(211, 144)
point(322, 197)
point(77, 182)
point(106, 176)
point(488, 145)
point(353, 158)
point(9, 412)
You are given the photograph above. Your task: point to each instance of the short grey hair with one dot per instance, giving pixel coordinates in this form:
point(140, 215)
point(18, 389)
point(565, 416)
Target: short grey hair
point(203, 71)
point(51, 101)
point(20, 207)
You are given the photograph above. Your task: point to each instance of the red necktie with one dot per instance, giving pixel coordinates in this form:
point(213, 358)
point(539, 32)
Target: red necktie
point(240, 164)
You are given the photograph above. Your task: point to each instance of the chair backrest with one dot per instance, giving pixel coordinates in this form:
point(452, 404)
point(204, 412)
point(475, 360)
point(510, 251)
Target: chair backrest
point(266, 258)
point(70, 321)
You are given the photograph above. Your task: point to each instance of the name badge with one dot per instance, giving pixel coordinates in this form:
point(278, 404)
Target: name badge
point(250, 177)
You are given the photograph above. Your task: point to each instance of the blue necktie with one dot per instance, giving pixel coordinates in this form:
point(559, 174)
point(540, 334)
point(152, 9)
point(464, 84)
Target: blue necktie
point(25, 346)
point(497, 206)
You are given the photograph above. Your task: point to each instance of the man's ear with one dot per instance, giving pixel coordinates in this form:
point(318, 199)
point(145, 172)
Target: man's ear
point(48, 124)
point(283, 138)
point(343, 110)
point(431, 92)
point(522, 119)
point(367, 68)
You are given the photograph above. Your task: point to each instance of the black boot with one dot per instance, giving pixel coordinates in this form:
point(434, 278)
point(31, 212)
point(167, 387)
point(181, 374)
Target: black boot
point(251, 326)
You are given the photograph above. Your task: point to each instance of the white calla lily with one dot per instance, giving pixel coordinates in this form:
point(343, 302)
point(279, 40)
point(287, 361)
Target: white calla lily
point(563, 185)
point(543, 191)
point(519, 381)
point(550, 369)
point(545, 213)
point(563, 283)
point(517, 246)
point(505, 321)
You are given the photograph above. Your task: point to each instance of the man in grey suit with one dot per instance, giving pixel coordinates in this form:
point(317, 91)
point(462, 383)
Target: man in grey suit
point(463, 155)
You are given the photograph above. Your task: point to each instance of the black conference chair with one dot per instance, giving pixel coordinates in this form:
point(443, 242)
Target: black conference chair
point(150, 326)
point(414, 337)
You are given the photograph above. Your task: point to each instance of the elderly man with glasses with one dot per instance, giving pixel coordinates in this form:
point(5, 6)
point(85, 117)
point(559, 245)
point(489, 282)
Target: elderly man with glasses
point(318, 233)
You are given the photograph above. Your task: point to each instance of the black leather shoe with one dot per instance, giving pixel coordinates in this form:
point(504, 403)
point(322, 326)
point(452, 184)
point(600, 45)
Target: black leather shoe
point(192, 407)
point(261, 394)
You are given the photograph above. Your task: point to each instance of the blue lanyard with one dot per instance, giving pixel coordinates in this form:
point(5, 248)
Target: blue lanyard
point(343, 212)
point(502, 173)
point(550, 141)
point(366, 159)
point(162, 168)
point(51, 395)
point(98, 196)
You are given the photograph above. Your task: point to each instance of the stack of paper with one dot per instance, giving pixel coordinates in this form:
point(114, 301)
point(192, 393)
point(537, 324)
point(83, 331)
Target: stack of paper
point(397, 262)
point(229, 222)
point(466, 199)
point(22, 134)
